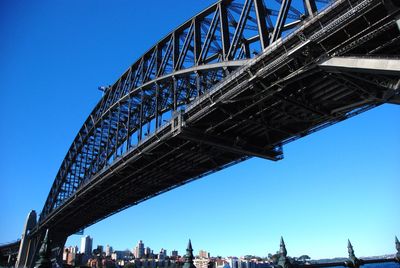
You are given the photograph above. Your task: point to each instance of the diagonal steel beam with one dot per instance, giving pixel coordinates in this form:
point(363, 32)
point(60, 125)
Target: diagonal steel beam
point(237, 36)
point(262, 25)
point(310, 7)
point(185, 48)
point(280, 20)
point(208, 38)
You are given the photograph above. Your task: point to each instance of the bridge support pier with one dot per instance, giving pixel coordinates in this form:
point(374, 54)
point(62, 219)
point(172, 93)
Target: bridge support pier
point(57, 243)
point(27, 245)
point(31, 242)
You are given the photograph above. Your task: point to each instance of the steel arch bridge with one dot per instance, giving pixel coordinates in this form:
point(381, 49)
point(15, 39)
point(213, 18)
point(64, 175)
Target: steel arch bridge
point(181, 67)
point(174, 73)
point(239, 79)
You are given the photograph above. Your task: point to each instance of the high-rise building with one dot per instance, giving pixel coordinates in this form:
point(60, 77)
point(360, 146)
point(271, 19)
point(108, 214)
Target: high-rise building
point(162, 254)
point(174, 253)
point(86, 245)
point(233, 262)
point(147, 252)
point(139, 250)
point(109, 250)
point(99, 250)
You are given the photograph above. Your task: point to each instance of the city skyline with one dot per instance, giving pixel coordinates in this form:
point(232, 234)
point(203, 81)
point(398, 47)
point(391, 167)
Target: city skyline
point(198, 254)
point(204, 260)
point(338, 183)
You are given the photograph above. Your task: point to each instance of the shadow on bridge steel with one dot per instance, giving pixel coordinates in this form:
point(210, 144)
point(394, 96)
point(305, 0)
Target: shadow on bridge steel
point(240, 79)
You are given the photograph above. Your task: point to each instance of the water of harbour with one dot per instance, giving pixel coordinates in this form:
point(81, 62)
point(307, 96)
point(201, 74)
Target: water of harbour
point(383, 265)
point(377, 265)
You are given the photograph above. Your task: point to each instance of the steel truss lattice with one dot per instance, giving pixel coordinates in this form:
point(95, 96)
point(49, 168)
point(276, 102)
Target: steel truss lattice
point(188, 64)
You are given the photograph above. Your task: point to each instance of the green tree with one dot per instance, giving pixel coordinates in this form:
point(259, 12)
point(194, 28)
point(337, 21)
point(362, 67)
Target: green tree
point(303, 258)
point(130, 265)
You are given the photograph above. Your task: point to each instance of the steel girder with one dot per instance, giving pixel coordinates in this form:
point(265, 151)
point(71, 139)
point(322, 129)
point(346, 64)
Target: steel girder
point(182, 66)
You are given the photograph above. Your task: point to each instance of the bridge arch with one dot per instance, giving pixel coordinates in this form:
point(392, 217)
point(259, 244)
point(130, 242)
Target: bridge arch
point(182, 66)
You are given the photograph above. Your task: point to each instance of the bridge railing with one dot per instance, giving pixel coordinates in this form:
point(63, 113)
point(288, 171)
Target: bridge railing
point(281, 260)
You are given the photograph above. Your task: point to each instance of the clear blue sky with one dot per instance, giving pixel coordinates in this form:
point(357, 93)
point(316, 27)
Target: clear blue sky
point(342, 182)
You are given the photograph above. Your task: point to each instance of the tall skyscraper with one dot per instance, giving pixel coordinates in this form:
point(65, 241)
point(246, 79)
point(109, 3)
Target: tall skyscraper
point(139, 250)
point(100, 249)
point(174, 253)
point(233, 262)
point(109, 250)
point(147, 252)
point(86, 245)
point(162, 254)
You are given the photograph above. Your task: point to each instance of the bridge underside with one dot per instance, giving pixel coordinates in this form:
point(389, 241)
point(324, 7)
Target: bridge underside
point(306, 83)
point(175, 156)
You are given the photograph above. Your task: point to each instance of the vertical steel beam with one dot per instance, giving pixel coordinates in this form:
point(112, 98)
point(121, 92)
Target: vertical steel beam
point(280, 20)
point(81, 167)
point(128, 124)
point(197, 40)
point(198, 84)
point(175, 89)
point(175, 55)
point(108, 140)
point(262, 25)
point(97, 162)
point(310, 7)
point(93, 150)
point(148, 123)
point(223, 18)
point(89, 157)
point(156, 109)
point(158, 59)
point(117, 132)
point(140, 132)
